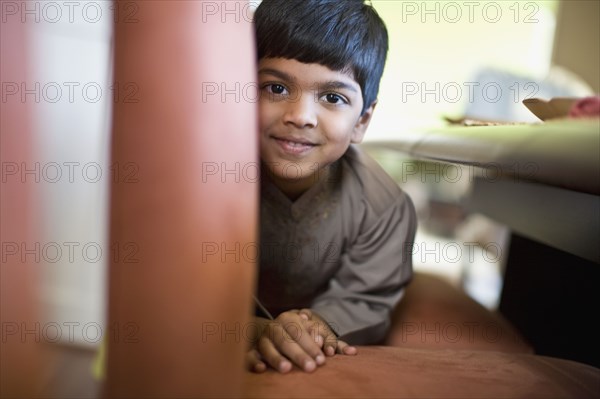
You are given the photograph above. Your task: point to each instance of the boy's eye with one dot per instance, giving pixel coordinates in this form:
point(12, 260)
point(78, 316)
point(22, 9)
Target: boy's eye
point(275, 88)
point(333, 98)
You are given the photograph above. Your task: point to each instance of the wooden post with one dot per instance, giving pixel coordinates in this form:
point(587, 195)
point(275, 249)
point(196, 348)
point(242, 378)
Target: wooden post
point(184, 201)
point(20, 350)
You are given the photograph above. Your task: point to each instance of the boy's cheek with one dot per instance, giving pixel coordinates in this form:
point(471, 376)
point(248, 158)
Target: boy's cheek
point(267, 116)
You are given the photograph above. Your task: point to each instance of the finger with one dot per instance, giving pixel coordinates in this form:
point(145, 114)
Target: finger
point(322, 333)
point(315, 336)
point(330, 343)
point(254, 362)
point(318, 339)
point(345, 349)
point(305, 314)
point(301, 335)
point(280, 344)
point(272, 356)
point(313, 330)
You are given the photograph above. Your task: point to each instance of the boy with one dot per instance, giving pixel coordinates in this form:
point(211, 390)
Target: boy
point(335, 228)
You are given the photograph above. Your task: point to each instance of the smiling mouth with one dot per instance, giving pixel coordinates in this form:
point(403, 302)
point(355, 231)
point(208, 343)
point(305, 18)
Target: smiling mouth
point(294, 146)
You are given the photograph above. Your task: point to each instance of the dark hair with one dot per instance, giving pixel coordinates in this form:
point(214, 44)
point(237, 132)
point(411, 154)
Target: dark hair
point(343, 35)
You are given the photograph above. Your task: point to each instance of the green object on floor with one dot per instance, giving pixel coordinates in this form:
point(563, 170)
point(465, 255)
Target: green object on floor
point(99, 364)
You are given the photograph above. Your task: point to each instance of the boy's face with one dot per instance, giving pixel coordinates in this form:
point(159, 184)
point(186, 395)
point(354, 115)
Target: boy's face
point(309, 115)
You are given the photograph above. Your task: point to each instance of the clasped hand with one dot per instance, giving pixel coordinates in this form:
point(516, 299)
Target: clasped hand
point(296, 337)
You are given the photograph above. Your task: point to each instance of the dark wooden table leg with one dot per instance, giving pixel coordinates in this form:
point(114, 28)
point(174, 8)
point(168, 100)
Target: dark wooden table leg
point(552, 297)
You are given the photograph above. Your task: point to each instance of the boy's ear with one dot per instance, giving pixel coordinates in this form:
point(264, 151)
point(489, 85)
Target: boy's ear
point(363, 123)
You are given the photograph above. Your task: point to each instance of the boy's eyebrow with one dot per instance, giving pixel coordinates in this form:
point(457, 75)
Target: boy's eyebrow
point(279, 74)
point(336, 84)
point(331, 84)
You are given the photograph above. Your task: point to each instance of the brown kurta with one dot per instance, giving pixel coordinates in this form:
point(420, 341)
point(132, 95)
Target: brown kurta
point(342, 249)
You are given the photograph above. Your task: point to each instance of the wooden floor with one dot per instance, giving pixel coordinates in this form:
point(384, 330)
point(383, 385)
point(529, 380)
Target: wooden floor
point(69, 373)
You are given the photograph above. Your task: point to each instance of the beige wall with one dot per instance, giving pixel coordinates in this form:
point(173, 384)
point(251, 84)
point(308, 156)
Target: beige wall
point(577, 41)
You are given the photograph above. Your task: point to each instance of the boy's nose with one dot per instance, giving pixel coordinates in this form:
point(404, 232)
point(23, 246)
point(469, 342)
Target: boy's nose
point(301, 112)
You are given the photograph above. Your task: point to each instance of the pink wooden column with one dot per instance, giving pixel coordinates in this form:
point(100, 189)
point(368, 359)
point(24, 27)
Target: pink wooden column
point(183, 217)
point(21, 359)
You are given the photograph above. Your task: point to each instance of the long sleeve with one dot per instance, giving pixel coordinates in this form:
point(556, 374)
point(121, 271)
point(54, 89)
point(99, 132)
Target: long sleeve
point(374, 269)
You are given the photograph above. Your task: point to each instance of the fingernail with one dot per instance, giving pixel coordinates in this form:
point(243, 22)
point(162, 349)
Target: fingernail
point(350, 350)
point(320, 359)
point(309, 365)
point(284, 366)
point(330, 351)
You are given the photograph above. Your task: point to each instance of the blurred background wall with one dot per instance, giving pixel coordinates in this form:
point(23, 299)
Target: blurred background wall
point(473, 60)
point(70, 92)
point(577, 41)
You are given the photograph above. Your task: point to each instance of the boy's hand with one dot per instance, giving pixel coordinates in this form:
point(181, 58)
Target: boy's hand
point(295, 337)
point(324, 335)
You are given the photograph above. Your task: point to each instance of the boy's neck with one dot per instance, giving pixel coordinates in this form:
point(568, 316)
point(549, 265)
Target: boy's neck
point(293, 189)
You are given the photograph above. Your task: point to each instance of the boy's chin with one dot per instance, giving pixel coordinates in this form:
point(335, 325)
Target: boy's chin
point(292, 172)
point(287, 176)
